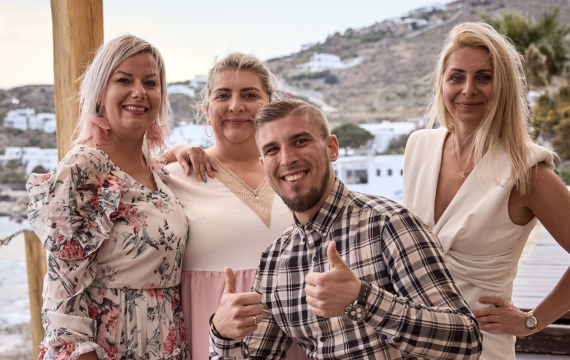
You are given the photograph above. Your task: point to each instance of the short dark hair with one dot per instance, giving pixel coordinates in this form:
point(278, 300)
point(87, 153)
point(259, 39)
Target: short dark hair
point(279, 109)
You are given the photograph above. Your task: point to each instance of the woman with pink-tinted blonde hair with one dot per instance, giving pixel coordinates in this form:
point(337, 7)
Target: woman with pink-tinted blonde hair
point(114, 232)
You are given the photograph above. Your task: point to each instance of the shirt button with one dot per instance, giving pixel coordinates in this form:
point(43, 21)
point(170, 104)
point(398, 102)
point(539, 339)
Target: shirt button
point(322, 339)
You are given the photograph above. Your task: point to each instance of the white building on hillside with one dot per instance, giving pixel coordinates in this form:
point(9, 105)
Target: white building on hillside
point(18, 119)
point(322, 62)
point(181, 89)
point(43, 121)
point(24, 119)
point(198, 82)
point(386, 131)
point(31, 157)
point(191, 134)
point(377, 175)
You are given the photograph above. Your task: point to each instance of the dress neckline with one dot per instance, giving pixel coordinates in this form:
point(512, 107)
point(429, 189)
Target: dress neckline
point(459, 192)
point(259, 200)
point(157, 179)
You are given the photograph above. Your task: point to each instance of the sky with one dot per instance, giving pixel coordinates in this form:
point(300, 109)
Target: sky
point(190, 34)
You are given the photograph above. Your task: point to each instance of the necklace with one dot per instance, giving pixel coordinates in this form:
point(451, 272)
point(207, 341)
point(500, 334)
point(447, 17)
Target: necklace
point(463, 172)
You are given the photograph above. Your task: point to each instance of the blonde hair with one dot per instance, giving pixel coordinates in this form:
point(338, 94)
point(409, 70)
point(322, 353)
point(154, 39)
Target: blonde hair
point(237, 62)
point(94, 80)
point(507, 116)
point(280, 109)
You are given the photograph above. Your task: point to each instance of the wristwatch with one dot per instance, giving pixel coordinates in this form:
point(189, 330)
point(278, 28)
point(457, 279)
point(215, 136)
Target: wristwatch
point(358, 310)
point(531, 323)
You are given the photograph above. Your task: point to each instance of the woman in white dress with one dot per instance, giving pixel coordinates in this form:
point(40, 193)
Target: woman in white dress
point(480, 183)
point(234, 216)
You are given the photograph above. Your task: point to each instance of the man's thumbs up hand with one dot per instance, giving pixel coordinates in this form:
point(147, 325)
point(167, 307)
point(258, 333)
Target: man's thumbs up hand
point(238, 314)
point(329, 293)
point(230, 287)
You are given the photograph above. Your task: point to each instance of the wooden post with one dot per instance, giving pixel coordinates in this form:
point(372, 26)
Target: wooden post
point(37, 267)
point(77, 33)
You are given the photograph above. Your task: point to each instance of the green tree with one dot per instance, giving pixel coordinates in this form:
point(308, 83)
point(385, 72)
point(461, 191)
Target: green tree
point(351, 135)
point(540, 41)
point(331, 79)
point(13, 164)
point(552, 116)
point(397, 145)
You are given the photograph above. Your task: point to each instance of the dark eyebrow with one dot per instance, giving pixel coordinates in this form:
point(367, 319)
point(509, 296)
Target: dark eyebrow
point(244, 89)
point(301, 134)
point(477, 72)
point(122, 72)
point(268, 145)
point(292, 138)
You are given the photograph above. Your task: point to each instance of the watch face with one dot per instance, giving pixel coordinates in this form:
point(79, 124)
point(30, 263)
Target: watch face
point(356, 312)
point(530, 322)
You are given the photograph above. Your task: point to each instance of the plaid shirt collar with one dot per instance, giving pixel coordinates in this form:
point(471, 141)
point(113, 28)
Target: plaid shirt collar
point(322, 221)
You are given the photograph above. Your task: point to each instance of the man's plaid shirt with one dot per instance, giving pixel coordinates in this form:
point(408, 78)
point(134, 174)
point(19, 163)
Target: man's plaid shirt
point(415, 309)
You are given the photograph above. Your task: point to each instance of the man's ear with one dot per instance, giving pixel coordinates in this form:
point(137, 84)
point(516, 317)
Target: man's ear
point(332, 146)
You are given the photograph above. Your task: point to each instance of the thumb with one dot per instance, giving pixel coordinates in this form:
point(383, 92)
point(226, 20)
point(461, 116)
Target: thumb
point(230, 281)
point(334, 257)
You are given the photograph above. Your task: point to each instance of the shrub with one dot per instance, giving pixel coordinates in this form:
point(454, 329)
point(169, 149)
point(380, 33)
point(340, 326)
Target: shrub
point(331, 79)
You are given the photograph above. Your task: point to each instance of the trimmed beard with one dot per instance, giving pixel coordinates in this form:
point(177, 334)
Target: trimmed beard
point(304, 202)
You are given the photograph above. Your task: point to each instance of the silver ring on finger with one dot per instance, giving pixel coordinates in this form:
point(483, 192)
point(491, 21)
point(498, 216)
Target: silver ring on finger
point(254, 320)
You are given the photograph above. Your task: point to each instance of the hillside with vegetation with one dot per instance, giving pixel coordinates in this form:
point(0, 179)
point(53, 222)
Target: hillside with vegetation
point(389, 66)
point(393, 60)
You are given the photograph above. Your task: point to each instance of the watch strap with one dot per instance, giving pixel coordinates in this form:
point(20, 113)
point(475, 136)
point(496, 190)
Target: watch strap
point(535, 328)
point(364, 292)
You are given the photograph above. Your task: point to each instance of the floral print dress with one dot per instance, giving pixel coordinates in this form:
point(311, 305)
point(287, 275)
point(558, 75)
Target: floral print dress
point(115, 251)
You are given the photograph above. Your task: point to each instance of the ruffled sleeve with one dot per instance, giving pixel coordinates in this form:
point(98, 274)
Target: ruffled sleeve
point(70, 211)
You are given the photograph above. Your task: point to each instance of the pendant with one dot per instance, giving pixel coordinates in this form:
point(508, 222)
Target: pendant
point(463, 175)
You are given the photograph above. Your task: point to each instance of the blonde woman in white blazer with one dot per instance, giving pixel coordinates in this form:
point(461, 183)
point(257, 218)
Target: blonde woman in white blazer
point(480, 183)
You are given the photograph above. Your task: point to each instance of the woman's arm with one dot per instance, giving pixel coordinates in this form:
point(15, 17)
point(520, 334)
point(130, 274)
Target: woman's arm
point(70, 211)
point(192, 157)
point(549, 201)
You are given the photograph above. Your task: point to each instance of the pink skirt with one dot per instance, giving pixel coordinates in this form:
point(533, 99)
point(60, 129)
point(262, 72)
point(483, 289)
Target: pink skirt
point(200, 293)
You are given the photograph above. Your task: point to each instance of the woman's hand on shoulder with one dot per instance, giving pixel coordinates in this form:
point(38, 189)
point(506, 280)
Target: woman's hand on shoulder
point(192, 157)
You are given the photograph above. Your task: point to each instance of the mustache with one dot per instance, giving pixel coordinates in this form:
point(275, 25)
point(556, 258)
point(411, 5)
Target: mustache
point(293, 168)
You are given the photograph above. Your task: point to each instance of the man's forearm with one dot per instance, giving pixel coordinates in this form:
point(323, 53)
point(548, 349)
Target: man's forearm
point(422, 331)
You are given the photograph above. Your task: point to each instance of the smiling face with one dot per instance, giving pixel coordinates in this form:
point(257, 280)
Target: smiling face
point(297, 162)
point(468, 84)
point(235, 98)
point(132, 96)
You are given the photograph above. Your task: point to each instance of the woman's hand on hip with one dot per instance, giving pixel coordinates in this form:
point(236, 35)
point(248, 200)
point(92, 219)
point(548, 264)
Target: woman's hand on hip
point(503, 317)
point(192, 157)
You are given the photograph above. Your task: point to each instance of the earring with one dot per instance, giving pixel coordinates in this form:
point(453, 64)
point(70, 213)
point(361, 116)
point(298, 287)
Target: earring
point(206, 130)
point(156, 134)
point(97, 127)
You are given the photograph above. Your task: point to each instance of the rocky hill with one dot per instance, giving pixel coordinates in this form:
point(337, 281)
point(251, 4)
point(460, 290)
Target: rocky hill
point(390, 65)
point(394, 60)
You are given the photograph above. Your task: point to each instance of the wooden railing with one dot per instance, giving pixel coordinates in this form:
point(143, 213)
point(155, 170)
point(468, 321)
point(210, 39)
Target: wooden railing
point(77, 33)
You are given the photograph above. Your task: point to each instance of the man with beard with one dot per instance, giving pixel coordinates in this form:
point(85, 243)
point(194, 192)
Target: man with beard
point(355, 277)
